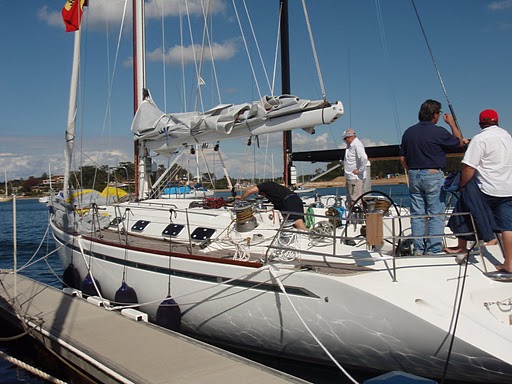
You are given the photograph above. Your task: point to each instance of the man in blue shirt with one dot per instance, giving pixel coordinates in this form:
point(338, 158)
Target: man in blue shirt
point(423, 156)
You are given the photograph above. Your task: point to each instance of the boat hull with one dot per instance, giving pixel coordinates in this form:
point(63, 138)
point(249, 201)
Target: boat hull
point(243, 305)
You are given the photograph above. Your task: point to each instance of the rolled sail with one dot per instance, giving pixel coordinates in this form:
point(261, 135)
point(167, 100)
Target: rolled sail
point(164, 132)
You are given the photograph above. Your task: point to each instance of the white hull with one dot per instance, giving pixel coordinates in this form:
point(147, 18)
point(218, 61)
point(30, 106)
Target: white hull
point(304, 190)
point(193, 194)
point(361, 317)
point(44, 199)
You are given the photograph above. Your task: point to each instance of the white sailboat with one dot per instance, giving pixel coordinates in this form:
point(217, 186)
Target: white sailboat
point(6, 197)
point(46, 198)
point(241, 276)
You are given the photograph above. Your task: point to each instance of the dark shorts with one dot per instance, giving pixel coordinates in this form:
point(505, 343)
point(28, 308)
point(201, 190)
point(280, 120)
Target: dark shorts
point(501, 208)
point(293, 203)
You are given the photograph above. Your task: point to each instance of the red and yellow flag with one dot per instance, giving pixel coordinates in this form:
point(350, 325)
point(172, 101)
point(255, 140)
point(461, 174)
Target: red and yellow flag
point(72, 14)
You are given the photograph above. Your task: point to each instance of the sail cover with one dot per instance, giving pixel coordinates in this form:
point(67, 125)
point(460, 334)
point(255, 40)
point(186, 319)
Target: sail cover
point(164, 132)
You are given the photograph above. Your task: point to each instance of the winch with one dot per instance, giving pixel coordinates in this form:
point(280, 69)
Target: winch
point(245, 220)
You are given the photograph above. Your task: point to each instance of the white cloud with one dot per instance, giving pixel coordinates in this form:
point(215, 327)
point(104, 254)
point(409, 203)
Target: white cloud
point(194, 52)
point(157, 8)
point(317, 141)
point(35, 156)
point(500, 5)
point(111, 11)
point(53, 18)
point(371, 143)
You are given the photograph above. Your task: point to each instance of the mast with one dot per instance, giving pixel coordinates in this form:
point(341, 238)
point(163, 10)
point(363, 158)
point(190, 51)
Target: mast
point(285, 88)
point(71, 127)
point(139, 89)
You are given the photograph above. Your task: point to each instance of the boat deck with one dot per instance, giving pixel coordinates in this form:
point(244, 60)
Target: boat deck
point(193, 249)
point(113, 348)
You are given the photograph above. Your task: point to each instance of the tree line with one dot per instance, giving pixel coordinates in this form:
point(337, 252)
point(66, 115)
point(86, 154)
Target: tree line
point(94, 177)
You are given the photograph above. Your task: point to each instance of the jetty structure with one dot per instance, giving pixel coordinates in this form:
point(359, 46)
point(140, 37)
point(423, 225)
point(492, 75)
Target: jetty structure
point(119, 347)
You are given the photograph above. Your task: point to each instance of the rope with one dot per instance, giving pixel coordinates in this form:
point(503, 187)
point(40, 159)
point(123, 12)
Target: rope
point(435, 65)
point(30, 368)
point(273, 272)
point(208, 37)
point(457, 315)
point(192, 44)
point(317, 64)
point(387, 60)
point(246, 49)
point(257, 45)
point(276, 51)
point(89, 267)
point(252, 273)
point(12, 338)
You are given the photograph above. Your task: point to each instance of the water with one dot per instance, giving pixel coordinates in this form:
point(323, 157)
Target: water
point(33, 243)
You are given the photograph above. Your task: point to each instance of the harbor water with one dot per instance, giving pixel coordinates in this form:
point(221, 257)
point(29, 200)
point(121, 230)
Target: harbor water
point(34, 243)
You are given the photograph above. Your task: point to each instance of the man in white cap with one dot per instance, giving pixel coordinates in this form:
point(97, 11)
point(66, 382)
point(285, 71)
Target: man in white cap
point(354, 163)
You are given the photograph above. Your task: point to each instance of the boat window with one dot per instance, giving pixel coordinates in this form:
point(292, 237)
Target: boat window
point(140, 225)
point(172, 230)
point(201, 233)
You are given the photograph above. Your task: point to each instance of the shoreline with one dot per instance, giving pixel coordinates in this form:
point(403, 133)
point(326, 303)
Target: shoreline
point(335, 183)
point(340, 182)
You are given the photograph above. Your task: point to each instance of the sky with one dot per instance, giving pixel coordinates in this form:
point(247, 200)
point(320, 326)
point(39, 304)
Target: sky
point(372, 56)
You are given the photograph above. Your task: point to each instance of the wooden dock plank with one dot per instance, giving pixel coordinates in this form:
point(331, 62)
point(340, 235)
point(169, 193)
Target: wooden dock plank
point(127, 350)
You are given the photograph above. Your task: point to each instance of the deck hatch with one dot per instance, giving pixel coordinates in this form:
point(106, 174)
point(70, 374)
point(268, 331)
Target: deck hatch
point(140, 225)
point(202, 233)
point(172, 230)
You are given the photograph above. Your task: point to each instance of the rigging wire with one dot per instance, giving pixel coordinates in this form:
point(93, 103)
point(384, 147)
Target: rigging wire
point(192, 45)
point(276, 52)
point(313, 48)
point(212, 55)
point(349, 89)
point(435, 66)
point(257, 45)
point(164, 73)
point(206, 37)
point(112, 77)
point(388, 64)
point(247, 49)
point(183, 81)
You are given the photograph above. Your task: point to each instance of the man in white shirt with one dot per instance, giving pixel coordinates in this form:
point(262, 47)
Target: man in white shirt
point(354, 164)
point(489, 158)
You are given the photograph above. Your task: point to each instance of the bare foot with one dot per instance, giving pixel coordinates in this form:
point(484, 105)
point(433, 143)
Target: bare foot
point(492, 242)
point(501, 268)
point(454, 250)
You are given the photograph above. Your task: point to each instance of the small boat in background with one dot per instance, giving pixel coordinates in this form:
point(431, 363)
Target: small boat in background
point(6, 198)
point(304, 190)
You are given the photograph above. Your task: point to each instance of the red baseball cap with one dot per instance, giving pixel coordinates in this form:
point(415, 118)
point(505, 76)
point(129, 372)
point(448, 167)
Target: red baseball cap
point(488, 116)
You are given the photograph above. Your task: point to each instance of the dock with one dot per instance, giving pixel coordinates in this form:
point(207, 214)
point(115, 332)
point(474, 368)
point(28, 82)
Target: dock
point(112, 348)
